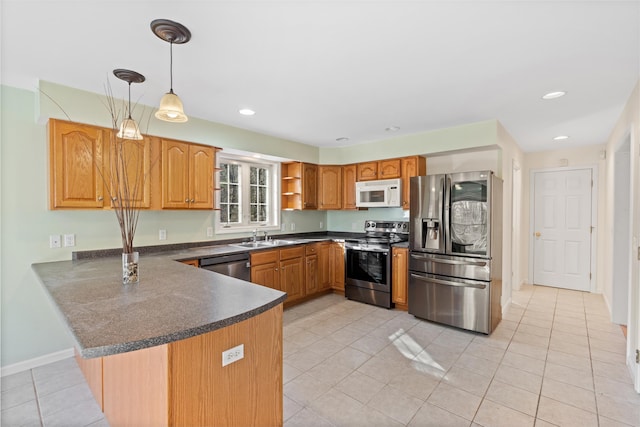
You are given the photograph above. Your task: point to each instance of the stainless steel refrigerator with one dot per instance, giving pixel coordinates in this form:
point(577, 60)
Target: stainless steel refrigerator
point(455, 242)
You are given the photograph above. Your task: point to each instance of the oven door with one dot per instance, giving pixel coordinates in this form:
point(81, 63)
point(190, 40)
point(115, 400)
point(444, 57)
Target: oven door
point(368, 268)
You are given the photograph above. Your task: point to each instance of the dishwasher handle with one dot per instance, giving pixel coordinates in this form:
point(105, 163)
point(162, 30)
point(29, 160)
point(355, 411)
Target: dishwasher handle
point(225, 259)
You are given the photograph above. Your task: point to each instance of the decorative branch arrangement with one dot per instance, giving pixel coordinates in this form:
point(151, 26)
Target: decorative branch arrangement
point(125, 176)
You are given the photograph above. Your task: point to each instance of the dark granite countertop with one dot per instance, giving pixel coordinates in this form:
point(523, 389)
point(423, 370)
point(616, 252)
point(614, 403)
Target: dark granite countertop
point(172, 301)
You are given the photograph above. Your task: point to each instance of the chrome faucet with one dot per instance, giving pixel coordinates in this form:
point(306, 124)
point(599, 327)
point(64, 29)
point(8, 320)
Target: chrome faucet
point(265, 236)
point(254, 238)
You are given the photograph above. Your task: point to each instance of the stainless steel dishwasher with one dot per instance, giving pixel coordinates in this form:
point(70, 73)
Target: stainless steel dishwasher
point(234, 265)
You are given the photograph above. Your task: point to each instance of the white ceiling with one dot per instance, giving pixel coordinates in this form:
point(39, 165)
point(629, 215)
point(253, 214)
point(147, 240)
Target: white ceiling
point(318, 70)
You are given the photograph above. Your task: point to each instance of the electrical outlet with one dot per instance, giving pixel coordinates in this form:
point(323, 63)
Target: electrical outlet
point(283, 227)
point(321, 224)
point(54, 241)
point(69, 240)
point(293, 226)
point(162, 234)
point(209, 231)
point(233, 355)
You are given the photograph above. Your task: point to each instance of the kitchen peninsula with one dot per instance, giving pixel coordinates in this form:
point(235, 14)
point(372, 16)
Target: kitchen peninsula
point(152, 352)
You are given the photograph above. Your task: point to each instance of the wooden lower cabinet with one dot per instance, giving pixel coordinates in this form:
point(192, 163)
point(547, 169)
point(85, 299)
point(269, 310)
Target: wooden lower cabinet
point(191, 262)
point(281, 269)
point(399, 277)
point(336, 266)
point(324, 272)
point(92, 371)
point(311, 272)
point(264, 268)
point(292, 273)
point(183, 383)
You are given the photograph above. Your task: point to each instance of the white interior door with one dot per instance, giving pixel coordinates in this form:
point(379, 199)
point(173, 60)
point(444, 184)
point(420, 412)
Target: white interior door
point(562, 229)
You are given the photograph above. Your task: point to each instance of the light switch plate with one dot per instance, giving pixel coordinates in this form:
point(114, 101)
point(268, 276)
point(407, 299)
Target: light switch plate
point(69, 240)
point(209, 231)
point(233, 355)
point(162, 234)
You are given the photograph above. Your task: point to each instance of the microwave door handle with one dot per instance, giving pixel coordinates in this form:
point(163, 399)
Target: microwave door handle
point(447, 282)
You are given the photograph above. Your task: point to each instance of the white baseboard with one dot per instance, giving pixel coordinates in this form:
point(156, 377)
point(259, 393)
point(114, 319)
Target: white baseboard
point(505, 306)
point(36, 362)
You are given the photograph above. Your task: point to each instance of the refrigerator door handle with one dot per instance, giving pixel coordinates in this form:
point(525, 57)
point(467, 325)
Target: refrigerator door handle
point(450, 261)
point(447, 282)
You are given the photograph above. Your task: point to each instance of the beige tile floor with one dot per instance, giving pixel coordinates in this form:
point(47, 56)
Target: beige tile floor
point(555, 359)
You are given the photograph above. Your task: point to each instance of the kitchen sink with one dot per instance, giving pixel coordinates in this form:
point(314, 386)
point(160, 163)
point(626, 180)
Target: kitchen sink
point(264, 243)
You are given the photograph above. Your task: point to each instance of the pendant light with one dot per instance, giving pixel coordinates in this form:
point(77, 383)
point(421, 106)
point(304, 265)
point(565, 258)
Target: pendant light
point(129, 128)
point(171, 109)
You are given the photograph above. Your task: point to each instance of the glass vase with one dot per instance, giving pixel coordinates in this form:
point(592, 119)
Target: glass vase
point(130, 268)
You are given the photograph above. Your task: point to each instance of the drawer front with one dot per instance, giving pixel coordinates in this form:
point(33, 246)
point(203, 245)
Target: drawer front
point(311, 249)
point(295, 252)
point(264, 257)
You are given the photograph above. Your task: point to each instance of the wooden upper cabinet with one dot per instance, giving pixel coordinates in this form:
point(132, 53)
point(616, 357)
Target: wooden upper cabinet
point(187, 175)
point(309, 186)
point(175, 174)
point(349, 177)
point(137, 171)
point(76, 161)
point(367, 171)
point(299, 186)
point(411, 166)
point(329, 187)
point(201, 164)
point(388, 169)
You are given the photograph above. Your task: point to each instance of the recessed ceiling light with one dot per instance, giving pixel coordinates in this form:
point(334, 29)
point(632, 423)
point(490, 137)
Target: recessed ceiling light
point(246, 112)
point(342, 139)
point(561, 137)
point(554, 95)
point(392, 128)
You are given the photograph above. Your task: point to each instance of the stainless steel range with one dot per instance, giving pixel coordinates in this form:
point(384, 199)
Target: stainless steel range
point(368, 262)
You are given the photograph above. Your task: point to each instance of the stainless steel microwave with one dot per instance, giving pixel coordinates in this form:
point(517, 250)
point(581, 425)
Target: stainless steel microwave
point(384, 193)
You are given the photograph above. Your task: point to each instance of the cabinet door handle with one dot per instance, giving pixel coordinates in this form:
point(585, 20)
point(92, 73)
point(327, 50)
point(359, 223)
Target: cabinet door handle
point(100, 198)
point(186, 200)
point(192, 201)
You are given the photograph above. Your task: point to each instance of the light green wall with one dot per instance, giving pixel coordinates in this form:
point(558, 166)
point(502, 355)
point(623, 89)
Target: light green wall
point(474, 135)
point(89, 108)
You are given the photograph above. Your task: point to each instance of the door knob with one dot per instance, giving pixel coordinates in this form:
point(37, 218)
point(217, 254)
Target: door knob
point(538, 234)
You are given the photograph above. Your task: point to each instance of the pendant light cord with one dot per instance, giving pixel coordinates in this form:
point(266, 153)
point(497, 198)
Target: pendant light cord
point(129, 100)
point(171, 66)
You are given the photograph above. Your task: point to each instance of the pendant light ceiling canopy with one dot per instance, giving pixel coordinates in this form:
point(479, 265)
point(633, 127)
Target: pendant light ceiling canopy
point(171, 109)
point(129, 128)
